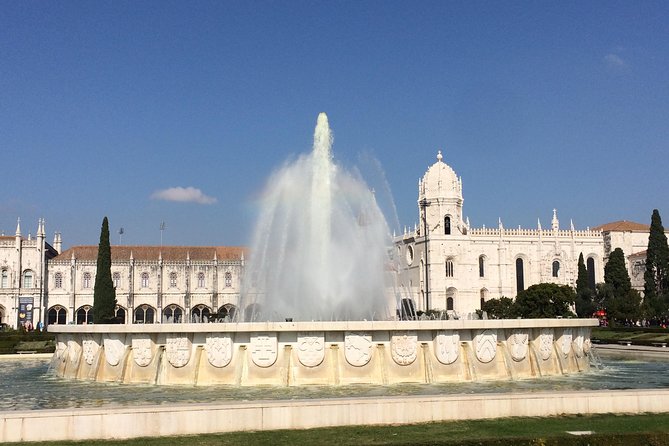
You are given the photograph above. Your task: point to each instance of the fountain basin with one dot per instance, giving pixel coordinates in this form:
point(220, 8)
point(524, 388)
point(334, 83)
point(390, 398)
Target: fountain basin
point(323, 353)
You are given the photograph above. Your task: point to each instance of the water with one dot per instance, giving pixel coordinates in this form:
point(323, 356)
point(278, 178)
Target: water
point(29, 385)
point(321, 244)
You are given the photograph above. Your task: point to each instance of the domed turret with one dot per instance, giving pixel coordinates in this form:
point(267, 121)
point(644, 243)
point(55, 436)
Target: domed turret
point(440, 199)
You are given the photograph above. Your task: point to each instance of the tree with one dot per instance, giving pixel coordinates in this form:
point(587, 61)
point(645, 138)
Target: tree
point(104, 293)
point(502, 308)
point(621, 301)
point(545, 300)
point(585, 306)
point(656, 276)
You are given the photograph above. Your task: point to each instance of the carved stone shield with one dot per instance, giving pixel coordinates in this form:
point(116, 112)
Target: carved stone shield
point(578, 343)
point(404, 347)
point(518, 343)
point(142, 350)
point(565, 341)
point(545, 343)
point(357, 348)
point(90, 348)
point(178, 350)
point(61, 348)
point(218, 349)
point(73, 350)
point(263, 349)
point(311, 348)
point(447, 346)
point(485, 345)
point(114, 349)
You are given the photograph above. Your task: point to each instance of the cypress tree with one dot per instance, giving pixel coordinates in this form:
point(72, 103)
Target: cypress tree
point(615, 273)
point(656, 276)
point(584, 304)
point(622, 302)
point(104, 293)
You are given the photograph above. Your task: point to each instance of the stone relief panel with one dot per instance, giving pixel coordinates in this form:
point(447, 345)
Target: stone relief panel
point(218, 349)
point(264, 349)
point(404, 347)
point(114, 349)
point(90, 348)
point(357, 348)
point(61, 348)
point(73, 350)
point(546, 343)
point(447, 346)
point(578, 343)
point(518, 344)
point(311, 348)
point(142, 350)
point(565, 341)
point(178, 350)
point(485, 345)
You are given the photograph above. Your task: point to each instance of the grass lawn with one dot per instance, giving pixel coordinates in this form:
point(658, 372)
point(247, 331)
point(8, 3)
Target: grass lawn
point(610, 430)
point(639, 336)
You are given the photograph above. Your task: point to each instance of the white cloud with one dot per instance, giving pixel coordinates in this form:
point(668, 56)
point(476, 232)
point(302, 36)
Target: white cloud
point(183, 194)
point(613, 60)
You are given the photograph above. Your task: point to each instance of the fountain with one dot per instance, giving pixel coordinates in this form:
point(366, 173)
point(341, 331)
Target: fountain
point(318, 309)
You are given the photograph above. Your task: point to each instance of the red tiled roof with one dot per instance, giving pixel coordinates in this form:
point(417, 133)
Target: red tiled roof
point(643, 253)
point(622, 226)
point(168, 253)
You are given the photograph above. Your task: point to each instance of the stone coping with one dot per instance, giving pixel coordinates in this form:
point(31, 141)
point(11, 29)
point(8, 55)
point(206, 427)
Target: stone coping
point(237, 327)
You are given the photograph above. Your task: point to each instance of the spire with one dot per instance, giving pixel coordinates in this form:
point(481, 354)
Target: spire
point(571, 224)
point(500, 223)
point(538, 224)
point(40, 227)
point(555, 223)
point(18, 227)
point(439, 156)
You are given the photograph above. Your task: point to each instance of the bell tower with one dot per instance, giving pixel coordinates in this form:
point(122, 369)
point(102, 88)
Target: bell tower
point(440, 200)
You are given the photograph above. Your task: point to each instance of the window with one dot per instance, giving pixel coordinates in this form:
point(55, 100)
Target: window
point(556, 268)
point(227, 313)
point(85, 315)
point(173, 314)
point(116, 278)
point(447, 225)
point(28, 279)
point(590, 265)
point(450, 298)
point(87, 280)
point(481, 266)
point(173, 280)
point(228, 280)
point(119, 314)
point(2, 313)
point(144, 314)
point(449, 268)
point(4, 280)
point(483, 295)
point(57, 315)
point(520, 277)
point(200, 313)
point(145, 280)
point(449, 303)
point(58, 280)
point(200, 280)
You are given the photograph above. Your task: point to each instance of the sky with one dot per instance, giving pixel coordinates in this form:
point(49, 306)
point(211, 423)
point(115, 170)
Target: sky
point(177, 112)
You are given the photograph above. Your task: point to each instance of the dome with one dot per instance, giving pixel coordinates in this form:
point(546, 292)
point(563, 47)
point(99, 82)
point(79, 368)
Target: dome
point(440, 180)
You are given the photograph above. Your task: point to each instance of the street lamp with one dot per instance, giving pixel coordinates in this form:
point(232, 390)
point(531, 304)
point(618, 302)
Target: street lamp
point(423, 205)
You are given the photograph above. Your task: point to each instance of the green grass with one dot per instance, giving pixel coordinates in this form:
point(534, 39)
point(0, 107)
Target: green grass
point(640, 336)
point(610, 430)
point(12, 341)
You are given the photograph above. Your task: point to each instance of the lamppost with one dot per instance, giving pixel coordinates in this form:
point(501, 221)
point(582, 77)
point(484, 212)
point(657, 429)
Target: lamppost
point(423, 205)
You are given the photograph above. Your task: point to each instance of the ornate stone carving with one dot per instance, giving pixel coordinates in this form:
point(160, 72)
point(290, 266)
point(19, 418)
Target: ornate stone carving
point(73, 350)
point(142, 350)
point(178, 350)
point(565, 341)
point(311, 348)
point(114, 349)
point(579, 343)
point(485, 345)
point(447, 346)
point(90, 348)
point(357, 348)
point(218, 349)
point(518, 343)
point(263, 349)
point(61, 348)
point(545, 343)
point(404, 347)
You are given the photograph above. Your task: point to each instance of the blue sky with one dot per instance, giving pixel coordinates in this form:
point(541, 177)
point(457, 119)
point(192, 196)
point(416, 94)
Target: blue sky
point(106, 105)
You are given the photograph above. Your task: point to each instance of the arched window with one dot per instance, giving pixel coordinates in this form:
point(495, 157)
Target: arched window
point(4, 279)
point(200, 280)
point(227, 313)
point(116, 279)
point(449, 303)
point(119, 314)
point(145, 280)
point(173, 314)
point(520, 275)
point(450, 299)
point(2, 314)
point(28, 279)
point(85, 315)
point(590, 265)
point(57, 315)
point(228, 280)
point(447, 225)
point(200, 313)
point(87, 280)
point(58, 280)
point(484, 295)
point(173, 280)
point(556, 268)
point(144, 314)
point(449, 268)
point(481, 266)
